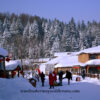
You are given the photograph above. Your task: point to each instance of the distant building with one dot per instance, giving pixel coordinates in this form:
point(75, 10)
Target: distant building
point(8, 68)
point(13, 68)
point(88, 59)
point(91, 59)
point(3, 55)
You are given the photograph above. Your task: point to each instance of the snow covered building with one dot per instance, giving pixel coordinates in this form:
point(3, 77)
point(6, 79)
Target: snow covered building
point(91, 59)
point(88, 59)
point(89, 54)
point(8, 67)
point(13, 68)
point(3, 55)
point(63, 61)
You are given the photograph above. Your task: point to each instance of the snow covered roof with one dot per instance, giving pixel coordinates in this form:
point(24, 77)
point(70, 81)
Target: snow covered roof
point(59, 54)
point(3, 52)
point(65, 61)
point(69, 62)
point(93, 62)
point(91, 50)
point(11, 65)
point(54, 60)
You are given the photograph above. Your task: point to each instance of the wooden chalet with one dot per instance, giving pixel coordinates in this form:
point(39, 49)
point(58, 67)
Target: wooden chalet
point(91, 58)
point(64, 63)
point(87, 59)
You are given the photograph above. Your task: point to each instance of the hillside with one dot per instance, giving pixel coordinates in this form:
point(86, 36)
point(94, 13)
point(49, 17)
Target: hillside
point(27, 36)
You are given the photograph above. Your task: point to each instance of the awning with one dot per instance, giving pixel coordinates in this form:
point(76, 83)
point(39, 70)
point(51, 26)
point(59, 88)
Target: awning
point(76, 67)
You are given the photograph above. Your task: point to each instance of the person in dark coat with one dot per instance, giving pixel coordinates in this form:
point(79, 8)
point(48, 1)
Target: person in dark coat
point(42, 78)
point(51, 80)
point(83, 74)
point(68, 76)
point(60, 77)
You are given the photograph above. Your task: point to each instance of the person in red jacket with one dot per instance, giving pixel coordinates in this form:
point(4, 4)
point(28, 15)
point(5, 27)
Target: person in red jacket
point(51, 80)
point(55, 77)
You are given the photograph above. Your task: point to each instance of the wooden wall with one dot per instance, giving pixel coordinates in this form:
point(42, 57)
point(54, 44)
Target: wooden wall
point(98, 56)
point(83, 58)
point(71, 69)
point(64, 69)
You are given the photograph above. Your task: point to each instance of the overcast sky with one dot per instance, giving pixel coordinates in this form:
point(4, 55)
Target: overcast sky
point(60, 9)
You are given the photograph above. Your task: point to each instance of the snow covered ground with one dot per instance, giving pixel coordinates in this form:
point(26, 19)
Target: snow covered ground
point(21, 89)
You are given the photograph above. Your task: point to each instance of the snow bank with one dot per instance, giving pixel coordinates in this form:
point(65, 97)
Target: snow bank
point(3, 52)
point(89, 89)
point(10, 89)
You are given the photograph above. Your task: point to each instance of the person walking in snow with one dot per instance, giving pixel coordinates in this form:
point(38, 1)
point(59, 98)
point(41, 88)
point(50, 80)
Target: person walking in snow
point(60, 77)
point(68, 76)
point(51, 80)
point(83, 74)
point(42, 78)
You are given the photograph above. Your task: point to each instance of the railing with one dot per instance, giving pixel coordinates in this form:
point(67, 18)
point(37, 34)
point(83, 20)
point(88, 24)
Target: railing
point(89, 75)
point(93, 75)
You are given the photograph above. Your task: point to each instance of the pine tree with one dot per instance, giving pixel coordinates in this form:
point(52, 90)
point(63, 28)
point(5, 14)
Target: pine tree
point(26, 30)
point(6, 24)
point(1, 28)
point(1, 33)
point(75, 44)
point(25, 40)
point(97, 39)
point(13, 27)
point(6, 38)
point(34, 30)
point(65, 41)
point(19, 27)
point(6, 33)
point(47, 38)
point(56, 45)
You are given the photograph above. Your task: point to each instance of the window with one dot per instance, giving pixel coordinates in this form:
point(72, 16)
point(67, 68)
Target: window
point(93, 56)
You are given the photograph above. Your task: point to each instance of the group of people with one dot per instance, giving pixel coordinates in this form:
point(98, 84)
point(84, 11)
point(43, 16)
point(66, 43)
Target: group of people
point(53, 78)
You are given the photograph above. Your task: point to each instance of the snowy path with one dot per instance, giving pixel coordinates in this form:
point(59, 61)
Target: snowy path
point(89, 89)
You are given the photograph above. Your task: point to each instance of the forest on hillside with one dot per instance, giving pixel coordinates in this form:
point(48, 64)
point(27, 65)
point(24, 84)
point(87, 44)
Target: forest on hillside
point(27, 36)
